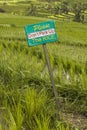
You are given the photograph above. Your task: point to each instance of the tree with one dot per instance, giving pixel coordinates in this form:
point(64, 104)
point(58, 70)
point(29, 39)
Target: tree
point(2, 10)
point(64, 7)
point(50, 8)
point(77, 8)
point(56, 9)
point(32, 10)
point(82, 18)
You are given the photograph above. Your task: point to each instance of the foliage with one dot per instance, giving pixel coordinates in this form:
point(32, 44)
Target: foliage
point(48, 8)
point(25, 90)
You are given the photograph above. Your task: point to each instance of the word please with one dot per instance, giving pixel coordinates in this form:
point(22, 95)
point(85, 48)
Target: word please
point(39, 27)
point(41, 33)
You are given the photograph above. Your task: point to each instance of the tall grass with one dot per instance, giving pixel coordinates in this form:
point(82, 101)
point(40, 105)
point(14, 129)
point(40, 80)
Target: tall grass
point(32, 111)
point(35, 109)
point(0, 127)
point(25, 89)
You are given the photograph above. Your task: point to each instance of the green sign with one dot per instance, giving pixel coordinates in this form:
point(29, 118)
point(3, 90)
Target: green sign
point(41, 33)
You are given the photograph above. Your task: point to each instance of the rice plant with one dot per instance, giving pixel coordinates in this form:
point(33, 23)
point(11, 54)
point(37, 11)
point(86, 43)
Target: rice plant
point(25, 88)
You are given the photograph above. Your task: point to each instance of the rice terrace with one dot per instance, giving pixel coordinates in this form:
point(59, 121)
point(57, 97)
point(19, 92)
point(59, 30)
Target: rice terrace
point(27, 100)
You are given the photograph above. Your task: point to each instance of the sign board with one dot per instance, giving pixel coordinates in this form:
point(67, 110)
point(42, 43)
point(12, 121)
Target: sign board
point(41, 33)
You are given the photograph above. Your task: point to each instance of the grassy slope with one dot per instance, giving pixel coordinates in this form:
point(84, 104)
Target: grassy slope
point(21, 9)
point(77, 35)
point(37, 0)
point(17, 68)
point(69, 33)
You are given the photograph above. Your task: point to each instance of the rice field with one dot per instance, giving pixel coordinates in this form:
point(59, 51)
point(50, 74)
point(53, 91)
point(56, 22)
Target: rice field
point(26, 96)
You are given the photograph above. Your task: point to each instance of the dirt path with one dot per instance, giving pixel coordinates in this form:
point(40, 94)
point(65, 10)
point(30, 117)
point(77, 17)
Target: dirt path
point(77, 120)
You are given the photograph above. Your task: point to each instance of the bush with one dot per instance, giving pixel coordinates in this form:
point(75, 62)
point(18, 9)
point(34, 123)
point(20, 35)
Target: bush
point(2, 10)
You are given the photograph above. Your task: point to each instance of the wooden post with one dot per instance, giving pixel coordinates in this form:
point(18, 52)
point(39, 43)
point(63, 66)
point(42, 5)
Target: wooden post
point(51, 76)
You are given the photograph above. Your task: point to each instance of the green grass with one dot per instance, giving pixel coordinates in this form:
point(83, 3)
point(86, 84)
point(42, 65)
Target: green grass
point(68, 32)
point(73, 33)
point(23, 7)
point(25, 89)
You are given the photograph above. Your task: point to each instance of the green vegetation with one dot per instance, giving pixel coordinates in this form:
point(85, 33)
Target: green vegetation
point(64, 10)
point(26, 98)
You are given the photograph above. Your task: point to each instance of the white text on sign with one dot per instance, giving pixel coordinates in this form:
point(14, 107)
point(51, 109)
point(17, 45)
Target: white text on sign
point(41, 33)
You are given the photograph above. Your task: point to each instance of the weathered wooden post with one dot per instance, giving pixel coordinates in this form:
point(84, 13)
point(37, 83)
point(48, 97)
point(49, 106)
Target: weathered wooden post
point(51, 75)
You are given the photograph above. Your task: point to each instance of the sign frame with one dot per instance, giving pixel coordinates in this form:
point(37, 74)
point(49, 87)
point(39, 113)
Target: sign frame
point(41, 33)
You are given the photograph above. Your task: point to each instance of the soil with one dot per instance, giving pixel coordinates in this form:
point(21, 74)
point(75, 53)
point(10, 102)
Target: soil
point(79, 121)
